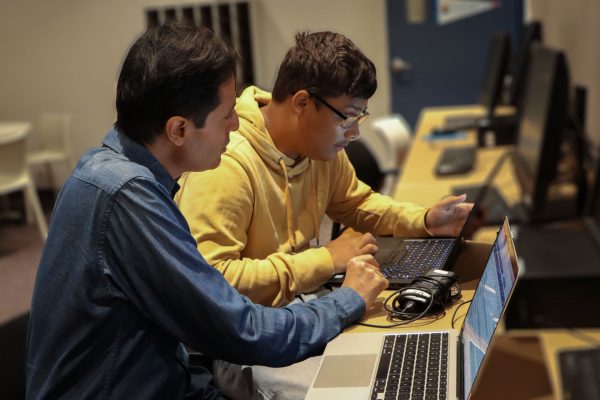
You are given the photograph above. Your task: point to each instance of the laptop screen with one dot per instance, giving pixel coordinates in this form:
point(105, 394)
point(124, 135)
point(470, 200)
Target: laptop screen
point(491, 296)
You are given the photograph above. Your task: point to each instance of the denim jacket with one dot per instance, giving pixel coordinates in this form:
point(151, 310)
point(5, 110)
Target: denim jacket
point(121, 286)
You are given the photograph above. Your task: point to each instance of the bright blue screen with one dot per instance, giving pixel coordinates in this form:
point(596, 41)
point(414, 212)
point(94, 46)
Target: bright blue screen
point(486, 308)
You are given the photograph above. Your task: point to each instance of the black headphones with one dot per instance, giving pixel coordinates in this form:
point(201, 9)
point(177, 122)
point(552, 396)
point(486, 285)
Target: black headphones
point(426, 295)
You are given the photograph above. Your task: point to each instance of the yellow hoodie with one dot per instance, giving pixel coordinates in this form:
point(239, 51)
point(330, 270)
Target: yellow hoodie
point(254, 215)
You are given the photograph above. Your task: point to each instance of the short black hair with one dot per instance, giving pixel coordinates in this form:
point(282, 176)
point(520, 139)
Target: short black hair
point(328, 64)
point(172, 69)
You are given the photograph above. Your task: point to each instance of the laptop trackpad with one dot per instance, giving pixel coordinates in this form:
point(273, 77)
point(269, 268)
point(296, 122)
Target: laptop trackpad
point(346, 371)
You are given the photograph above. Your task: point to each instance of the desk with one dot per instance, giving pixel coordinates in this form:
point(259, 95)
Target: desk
point(535, 351)
point(469, 266)
point(418, 182)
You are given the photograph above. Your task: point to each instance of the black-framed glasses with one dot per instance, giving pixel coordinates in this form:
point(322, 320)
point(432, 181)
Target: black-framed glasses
point(348, 121)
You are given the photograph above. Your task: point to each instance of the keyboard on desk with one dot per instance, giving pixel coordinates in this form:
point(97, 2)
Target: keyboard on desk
point(412, 258)
point(461, 122)
point(580, 373)
point(413, 366)
point(455, 160)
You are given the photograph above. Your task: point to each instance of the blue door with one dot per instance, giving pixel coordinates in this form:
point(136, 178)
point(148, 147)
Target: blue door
point(436, 64)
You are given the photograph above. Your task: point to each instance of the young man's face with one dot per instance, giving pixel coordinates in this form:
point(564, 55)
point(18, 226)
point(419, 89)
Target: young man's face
point(209, 142)
point(323, 136)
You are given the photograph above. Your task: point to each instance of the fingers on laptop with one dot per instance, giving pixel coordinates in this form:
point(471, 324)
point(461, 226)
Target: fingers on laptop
point(369, 244)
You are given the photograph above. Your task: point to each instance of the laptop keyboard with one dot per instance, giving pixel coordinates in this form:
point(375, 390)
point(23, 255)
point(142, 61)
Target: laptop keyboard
point(455, 160)
point(412, 367)
point(414, 258)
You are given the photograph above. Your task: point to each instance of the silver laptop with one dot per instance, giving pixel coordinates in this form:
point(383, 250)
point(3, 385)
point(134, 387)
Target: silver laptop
point(422, 364)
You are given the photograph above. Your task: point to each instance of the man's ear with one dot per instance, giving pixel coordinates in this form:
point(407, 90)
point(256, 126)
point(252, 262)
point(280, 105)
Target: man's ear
point(176, 129)
point(300, 101)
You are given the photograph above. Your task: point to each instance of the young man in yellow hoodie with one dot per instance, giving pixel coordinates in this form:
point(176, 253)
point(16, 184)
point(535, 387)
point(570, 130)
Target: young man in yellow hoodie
point(285, 169)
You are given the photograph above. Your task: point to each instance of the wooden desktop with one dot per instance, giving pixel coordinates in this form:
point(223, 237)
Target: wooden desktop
point(522, 365)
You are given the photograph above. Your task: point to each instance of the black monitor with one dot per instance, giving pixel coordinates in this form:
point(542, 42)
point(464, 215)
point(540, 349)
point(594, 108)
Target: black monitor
point(495, 70)
point(518, 70)
point(491, 88)
point(542, 125)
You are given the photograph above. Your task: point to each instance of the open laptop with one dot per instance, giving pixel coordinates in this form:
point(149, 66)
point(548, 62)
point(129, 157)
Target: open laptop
point(443, 365)
point(490, 201)
point(403, 259)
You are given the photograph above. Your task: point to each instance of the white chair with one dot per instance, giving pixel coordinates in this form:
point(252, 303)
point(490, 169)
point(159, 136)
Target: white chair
point(53, 133)
point(388, 140)
point(14, 174)
point(378, 154)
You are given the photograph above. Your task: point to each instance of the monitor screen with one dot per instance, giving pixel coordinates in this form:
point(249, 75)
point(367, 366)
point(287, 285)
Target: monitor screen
point(532, 34)
point(497, 63)
point(542, 124)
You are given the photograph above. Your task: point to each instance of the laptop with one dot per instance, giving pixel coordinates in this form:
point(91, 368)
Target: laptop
point(403, 259)
point(442, 365)
point(491, 202)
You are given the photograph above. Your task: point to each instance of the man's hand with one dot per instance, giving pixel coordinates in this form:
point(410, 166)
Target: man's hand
point(363, 275)
point(447, 217)
point(350, 244)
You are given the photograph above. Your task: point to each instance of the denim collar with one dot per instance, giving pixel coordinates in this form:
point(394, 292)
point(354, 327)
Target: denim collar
point(138, 154)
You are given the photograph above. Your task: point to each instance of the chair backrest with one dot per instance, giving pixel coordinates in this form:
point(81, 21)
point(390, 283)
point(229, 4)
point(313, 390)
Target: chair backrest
point(55, 131)
point(365, 165)
point(12, 155)
point(388, 139)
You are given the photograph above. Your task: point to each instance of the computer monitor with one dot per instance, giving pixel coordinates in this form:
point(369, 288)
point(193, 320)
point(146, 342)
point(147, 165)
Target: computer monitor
point(491, 88)
point(518, 70)
point(495, 70)
point(541, 127)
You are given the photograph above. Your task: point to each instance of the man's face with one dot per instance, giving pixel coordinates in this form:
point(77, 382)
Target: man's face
point(322, 135)
point(208, 143)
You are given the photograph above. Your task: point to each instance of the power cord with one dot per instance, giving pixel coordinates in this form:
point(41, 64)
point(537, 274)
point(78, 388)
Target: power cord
point(456, 311)
point(427, 296)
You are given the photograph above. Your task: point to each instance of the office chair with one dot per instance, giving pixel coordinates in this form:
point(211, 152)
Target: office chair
point(389, 141)
point(378, 155)
point(15, 176)
point(54, 135)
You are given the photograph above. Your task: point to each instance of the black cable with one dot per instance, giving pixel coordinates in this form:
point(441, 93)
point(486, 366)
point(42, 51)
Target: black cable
point(393, 314)
point(439, 293)
point(456, 310)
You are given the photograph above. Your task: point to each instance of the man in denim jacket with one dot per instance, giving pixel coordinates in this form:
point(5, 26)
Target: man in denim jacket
point(121, 287)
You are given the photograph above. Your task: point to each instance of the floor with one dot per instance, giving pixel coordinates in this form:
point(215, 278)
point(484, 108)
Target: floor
point(20, 251)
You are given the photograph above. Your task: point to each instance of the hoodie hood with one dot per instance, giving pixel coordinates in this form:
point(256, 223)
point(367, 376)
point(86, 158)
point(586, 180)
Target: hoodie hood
point(252, 128)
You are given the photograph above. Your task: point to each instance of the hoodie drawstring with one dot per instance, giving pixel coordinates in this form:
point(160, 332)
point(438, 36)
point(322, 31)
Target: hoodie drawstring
point(288, 206)
point(314, 203)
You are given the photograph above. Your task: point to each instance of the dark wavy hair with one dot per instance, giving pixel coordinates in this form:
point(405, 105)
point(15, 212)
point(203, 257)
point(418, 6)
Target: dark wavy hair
point(172, 69)
point(328, 64)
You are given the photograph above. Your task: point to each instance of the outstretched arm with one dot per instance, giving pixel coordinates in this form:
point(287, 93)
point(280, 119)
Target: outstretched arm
point(447, 217)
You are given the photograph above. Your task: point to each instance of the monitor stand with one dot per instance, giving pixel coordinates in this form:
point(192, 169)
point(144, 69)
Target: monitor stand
point(501, 130)
point(495, 131)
